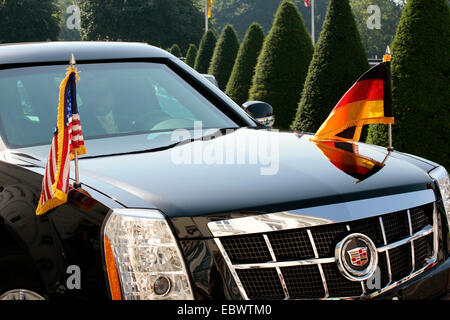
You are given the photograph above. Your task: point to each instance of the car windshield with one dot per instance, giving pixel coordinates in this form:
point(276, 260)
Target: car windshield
point(133, 99)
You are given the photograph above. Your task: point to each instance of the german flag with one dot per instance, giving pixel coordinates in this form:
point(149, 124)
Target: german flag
point(345, 156)
point(369, 100)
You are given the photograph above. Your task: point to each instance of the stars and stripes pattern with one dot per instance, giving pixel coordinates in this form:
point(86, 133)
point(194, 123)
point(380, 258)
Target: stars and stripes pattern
point(67, 139)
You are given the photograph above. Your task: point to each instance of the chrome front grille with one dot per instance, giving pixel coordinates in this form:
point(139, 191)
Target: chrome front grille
point(300, 263)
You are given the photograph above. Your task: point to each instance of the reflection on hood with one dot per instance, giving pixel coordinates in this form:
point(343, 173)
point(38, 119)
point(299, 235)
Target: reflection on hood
point(345, 157)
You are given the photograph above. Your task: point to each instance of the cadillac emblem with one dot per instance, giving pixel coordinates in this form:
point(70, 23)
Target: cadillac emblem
point(356, 257)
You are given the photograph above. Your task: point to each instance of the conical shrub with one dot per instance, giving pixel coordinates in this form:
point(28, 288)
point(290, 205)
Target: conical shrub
point(205, 51)
point(191, 55)
point(421, 82)
point(175, 50)
point(224, 56)
point(339, 60)
point(244, 68)
point(283, 64)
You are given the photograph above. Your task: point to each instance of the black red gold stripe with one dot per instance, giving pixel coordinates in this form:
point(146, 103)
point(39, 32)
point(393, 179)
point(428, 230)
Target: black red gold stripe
point(369, 100)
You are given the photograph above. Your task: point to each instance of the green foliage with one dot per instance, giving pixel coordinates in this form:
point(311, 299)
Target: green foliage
point(241, 13)
point(191, 55)
point(421, 82)
point(224, 56)
point(378, 134)
point(158, 22)
point(375, 40)
point(339, 60)
point(175, 50)
point(283, 64)
point(244, 68)
point(205, 51)
point(31, 20)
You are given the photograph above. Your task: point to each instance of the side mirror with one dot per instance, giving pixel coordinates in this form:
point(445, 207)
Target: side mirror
point(211, 79)
point(261, 111)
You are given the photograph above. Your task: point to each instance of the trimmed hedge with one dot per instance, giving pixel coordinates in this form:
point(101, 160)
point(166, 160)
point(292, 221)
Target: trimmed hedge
point(421, 82)
point(244, 68)
point(191, 55)
point(339, 60)
point(224, 56)
point(175, 50)
point(205, 51)
point(283, 64)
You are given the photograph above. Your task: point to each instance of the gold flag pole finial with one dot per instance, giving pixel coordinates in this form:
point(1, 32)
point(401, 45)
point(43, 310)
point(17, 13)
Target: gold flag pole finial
point(387, 56)
point(72, 61)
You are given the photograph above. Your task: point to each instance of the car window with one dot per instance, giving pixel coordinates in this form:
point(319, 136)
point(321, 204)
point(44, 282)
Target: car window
point(113, 98)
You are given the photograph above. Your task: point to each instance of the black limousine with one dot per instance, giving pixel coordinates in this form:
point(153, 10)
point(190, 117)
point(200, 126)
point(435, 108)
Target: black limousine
point(186, 195)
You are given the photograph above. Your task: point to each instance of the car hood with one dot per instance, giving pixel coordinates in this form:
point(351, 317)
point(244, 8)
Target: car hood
point(249, 170)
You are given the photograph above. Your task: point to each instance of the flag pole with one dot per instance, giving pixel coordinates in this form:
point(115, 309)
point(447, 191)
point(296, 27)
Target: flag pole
point(387, 58)
point(312, 23)
point(206, 15)
point(76, 184)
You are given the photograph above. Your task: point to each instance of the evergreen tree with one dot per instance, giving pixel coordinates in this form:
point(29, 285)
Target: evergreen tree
point(283, 63)
point(205, 51)
point(175, 50)
point(244, 68)
point(224, 56)
point(339, 60)
point(421, 82)
point(158, 22)
point(191, 54)
point(28, 21)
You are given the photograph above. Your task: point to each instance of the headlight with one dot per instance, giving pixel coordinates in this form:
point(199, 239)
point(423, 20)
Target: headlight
point(142, 257)
point(441, 176)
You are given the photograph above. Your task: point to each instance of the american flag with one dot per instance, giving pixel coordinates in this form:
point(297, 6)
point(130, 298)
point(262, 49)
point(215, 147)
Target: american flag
point(67, 139)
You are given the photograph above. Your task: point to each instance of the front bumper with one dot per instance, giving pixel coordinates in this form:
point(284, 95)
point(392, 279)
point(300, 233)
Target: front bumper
point(432, 284)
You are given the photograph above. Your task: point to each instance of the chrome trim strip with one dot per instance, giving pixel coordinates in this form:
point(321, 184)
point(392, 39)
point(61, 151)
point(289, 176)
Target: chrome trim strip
point(284, 263)
point(316, 255)
point(324, 280)
point(382, 230)
point(269, 247)
point(413, 258)
point(321, 215)
point(232, 269)
point(435, 231)
point(274, 259)
point(283, 283)
point(313, 244)
point(388, 260)
point(424, 232)
point(409, 222)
